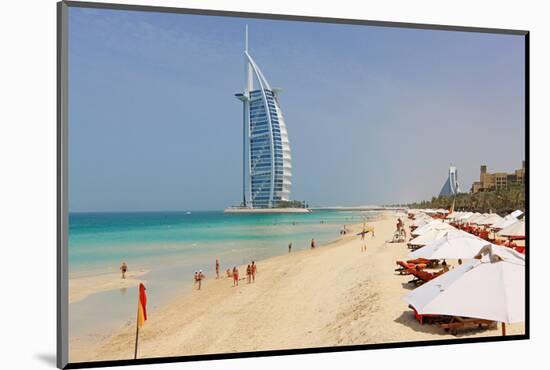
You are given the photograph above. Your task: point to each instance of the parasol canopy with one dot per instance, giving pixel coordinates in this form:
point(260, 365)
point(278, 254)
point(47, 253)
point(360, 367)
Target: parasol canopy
point(490, 288)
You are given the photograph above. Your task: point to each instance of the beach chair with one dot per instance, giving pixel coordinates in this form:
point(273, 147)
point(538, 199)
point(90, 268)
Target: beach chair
point(425, 261)
point(406, 268)
point(429, 318)
point(398, 236)
point(421, 277)
point(457, 323)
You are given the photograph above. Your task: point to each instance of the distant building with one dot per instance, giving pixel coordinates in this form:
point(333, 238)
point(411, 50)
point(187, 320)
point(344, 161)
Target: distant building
point(267, 168)
point(498, 180)
point(451, 186)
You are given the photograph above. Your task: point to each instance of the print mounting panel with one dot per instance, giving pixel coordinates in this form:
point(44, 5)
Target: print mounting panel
point(195, 196)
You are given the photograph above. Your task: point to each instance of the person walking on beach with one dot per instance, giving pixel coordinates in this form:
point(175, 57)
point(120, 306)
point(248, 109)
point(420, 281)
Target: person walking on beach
point(123, 269)
point(253, 271)
point(200, 277)
point(248, 274)
point(235, 276)
point(217, 269)
point(312, 243)
point(289, 247)
point(196, 277)
point(228, 273)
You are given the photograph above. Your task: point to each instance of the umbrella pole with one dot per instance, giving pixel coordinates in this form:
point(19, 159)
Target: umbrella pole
point(503, 329)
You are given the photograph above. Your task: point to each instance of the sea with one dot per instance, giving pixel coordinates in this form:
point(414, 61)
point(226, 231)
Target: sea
point(172, 246)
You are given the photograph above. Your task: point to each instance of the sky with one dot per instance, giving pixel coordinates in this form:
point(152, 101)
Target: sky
point(375, 115)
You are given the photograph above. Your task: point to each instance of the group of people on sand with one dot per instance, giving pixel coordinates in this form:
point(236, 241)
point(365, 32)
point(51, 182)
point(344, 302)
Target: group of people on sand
point(251, 270)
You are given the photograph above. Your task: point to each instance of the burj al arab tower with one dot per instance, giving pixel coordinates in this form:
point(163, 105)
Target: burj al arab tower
point(267, 168)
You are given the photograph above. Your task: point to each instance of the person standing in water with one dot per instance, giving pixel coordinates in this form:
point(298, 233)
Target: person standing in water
point(123, 269)
point(312, 243)
point(289, 247)
point(217, 269)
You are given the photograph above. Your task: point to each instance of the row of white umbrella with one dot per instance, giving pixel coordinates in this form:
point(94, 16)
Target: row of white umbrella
point(436, 229)
point(486, 219)
point(490, 285)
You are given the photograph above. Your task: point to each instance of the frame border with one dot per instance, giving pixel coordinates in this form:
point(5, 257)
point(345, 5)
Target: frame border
point(62, 183)
point(62, 186)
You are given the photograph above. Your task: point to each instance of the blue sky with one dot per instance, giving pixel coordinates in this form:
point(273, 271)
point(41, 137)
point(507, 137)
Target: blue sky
point(375, 115)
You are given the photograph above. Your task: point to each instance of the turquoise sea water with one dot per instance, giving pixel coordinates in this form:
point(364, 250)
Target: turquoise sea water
point(100, 241)
point(172, 245)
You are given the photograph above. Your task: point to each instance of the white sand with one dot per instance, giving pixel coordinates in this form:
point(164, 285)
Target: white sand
point(82, 287)
point(333, 295)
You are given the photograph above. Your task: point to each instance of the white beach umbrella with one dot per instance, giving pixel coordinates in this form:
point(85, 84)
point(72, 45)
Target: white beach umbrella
point(472, 217)
point(421, 221)
point(477, 219)
point(465, 216)
point(455, 215)
point(458, 216)
point(427, 226)
point(431, 235)
point(432, 225)
point(516, 213)
point(490, 288)
point(454, 244)
point(452, 215)
point(491, 219)
point(515, 230)
point(505, 222)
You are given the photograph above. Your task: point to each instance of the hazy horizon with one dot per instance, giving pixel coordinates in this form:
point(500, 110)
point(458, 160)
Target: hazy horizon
point(375, 115)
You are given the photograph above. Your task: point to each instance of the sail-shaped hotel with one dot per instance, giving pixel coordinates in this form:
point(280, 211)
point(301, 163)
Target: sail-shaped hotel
point(267, 168)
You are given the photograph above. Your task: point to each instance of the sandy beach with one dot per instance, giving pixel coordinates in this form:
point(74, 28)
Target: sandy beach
point(333, 295)
point(82, 287)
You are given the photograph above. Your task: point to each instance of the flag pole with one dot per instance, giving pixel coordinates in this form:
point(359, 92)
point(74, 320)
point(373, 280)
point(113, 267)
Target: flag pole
point(137, 330)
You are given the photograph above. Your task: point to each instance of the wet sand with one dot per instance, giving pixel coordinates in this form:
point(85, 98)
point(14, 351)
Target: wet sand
point(82, 287)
